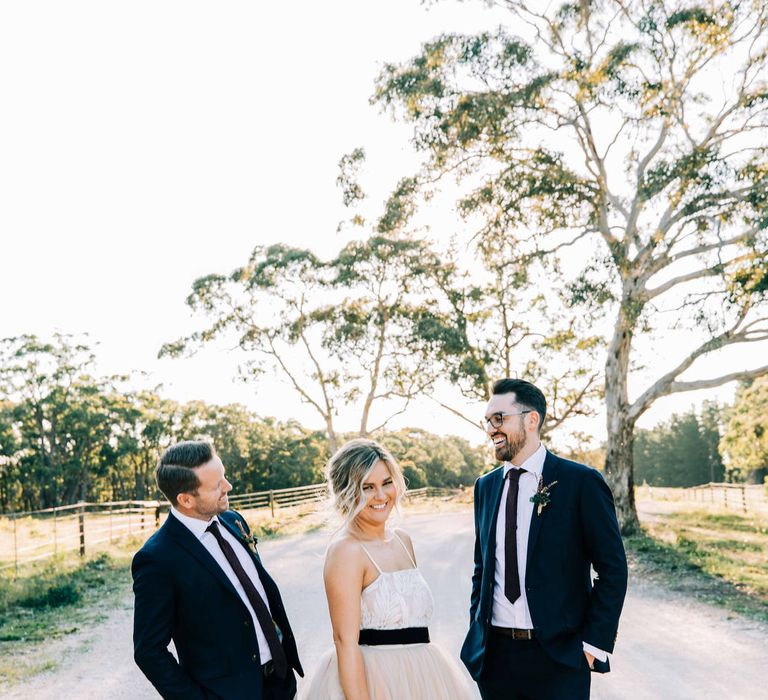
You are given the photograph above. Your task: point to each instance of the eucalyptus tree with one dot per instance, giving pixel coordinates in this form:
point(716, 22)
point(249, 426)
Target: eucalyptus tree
point(621, 145)
point(63, 416)
point(509, 327)
point(339, 332)
point(145, 424)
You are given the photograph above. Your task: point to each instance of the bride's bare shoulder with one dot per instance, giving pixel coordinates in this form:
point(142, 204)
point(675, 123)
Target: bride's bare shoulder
point(343, 550)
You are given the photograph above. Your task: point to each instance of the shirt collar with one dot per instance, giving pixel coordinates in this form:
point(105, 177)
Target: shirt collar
point(534, 463)
point(196, 526)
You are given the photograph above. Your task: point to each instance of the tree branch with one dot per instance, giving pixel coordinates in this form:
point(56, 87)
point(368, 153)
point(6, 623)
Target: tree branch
point(676, 387)
point(664, 385)
point(458, 414)
point(680, 279)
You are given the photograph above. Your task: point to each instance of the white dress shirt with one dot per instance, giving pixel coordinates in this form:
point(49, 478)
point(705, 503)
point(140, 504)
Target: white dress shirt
point(197, 527)
point(517, 614)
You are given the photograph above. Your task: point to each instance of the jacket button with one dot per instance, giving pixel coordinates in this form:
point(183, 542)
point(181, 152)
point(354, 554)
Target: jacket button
point(255, 658)
point(245, 623)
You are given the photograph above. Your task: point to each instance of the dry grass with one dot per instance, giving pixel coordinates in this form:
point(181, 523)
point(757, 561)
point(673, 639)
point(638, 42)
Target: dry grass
point(717, 555)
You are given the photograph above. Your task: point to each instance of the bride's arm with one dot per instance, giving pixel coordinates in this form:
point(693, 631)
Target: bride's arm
point(344, 572)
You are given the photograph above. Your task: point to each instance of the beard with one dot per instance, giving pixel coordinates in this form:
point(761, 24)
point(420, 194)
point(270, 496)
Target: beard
point(511, 447)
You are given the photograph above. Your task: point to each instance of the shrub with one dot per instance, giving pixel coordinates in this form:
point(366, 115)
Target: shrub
point(53, 596)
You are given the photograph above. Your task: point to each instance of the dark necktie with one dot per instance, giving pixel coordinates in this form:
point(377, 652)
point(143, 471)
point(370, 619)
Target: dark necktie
point(259, 606)
point(511, 573)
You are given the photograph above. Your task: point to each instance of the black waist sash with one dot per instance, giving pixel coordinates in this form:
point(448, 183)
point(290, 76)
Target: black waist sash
point(406, 635)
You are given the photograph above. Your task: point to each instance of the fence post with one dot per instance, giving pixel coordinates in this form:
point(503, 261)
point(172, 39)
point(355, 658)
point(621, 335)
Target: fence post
point(744, 497)
point(81, 527)
point(157, 517)
point(143, 512)
point(272, 502)
point(725, 496)
point(55, 534)
point(111, 508)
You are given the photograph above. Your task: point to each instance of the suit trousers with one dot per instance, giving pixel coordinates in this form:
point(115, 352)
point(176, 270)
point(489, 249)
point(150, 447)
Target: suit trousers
point(519, 669)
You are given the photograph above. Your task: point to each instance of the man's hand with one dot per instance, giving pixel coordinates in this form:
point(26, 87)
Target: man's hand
point(590, 659)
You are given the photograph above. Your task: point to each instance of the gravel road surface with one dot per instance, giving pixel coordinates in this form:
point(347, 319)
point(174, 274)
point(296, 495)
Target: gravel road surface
point(670, 647)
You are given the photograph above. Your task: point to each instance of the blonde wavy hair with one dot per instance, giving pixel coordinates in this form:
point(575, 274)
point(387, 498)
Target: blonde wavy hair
point(348, 469)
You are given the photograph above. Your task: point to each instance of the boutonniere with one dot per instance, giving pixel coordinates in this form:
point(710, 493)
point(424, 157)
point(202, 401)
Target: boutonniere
point(249, 540)
point(541, 497)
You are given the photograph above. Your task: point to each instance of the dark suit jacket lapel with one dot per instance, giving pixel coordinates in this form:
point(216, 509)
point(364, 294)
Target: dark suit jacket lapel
point(186, 539)
point(495, 488)
point(548, 475)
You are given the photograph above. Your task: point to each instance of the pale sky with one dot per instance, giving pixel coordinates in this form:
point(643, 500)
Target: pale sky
point(145, 144)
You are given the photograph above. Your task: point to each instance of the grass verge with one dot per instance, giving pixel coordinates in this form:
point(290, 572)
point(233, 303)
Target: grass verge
point(52, 602)
point(721, 558)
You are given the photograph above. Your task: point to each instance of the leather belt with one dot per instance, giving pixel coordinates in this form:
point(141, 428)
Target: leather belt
point(405, 635)
point(513, 632)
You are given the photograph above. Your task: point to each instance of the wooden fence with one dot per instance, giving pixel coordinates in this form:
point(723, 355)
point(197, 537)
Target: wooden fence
point(745, 498)
point(39, 534)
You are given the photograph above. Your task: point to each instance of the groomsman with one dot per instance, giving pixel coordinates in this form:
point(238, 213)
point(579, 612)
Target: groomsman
point(199, 581)
point(538, 622)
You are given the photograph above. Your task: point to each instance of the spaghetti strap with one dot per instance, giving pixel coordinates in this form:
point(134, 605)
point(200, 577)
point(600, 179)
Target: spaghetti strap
point(365, 549)
point(407, 553)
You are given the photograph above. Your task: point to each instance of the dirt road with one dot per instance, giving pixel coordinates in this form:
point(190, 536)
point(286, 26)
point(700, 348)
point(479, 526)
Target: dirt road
point(669, 646)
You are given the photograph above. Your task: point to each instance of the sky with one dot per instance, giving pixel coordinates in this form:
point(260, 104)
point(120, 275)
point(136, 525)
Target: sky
point(145, 144)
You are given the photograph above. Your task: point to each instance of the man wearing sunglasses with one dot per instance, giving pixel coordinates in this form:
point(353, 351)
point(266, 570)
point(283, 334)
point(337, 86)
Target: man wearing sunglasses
point(538, 622)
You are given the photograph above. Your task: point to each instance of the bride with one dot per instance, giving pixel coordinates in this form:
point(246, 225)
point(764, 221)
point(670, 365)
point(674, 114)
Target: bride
point(380, 605)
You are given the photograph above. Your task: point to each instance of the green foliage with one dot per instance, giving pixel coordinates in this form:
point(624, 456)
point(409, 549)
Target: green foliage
point(682, 451)
point(694, 15)
point(399, 207)
point(745, 440)
point(689, 171)
point(349, 166)
point(435, 460)
point(54, 586)
point(60, 416)
point(53, 596)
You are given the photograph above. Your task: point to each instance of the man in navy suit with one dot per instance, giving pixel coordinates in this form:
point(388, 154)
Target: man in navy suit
point(199, 582)
point(538, 622)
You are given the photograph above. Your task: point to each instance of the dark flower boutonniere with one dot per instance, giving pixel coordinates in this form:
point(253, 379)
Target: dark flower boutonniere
point(249, 540)
point(541, 497)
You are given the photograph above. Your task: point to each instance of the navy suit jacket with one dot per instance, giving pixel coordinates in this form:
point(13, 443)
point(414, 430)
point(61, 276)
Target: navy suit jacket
point(181, 593)
point(576, 530)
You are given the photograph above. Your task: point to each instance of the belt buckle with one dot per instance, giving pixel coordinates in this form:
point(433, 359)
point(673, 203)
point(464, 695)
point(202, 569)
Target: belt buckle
point(268, 668)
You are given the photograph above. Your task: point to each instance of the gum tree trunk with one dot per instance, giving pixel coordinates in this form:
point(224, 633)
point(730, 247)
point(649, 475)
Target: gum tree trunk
point(619, 458)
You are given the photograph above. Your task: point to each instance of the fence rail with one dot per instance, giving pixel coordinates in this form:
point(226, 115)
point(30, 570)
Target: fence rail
point(34, 535)
point(745, 498)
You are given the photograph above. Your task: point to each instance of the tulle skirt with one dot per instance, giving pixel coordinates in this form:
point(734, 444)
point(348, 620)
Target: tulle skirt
point(395, 672)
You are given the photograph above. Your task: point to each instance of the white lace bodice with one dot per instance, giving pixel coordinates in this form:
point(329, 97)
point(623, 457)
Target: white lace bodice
point(396, 599)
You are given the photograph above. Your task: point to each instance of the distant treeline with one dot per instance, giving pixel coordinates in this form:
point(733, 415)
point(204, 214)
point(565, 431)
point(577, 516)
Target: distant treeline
point(682, 451)
point(107, 449)
point(67, 436)
point(714, 444)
